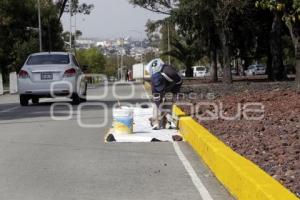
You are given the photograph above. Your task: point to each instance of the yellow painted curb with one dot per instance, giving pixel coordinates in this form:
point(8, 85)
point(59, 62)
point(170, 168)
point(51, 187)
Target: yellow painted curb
point(243, 179)
point(178, 112)
point(147, 86)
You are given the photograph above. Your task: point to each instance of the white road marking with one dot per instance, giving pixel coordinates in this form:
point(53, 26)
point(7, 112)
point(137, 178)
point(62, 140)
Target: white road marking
point(10, 109)
point(196, 180)
point(190, 170)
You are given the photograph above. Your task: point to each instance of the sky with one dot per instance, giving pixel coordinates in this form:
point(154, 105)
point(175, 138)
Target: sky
point(112, 19)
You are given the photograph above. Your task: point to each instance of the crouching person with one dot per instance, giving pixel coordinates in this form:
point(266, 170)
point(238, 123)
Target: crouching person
point(164, 79)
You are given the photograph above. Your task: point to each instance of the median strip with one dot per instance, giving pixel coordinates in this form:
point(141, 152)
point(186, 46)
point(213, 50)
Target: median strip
point(241, 177)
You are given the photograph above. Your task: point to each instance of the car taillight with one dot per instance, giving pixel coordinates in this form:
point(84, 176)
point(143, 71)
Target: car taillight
point(23, 74)
point(70, 72)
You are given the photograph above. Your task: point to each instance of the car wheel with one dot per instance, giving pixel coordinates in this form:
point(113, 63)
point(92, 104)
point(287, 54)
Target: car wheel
point(24, 100)
point(84, 94)
point(76, 100)
point(35, 100)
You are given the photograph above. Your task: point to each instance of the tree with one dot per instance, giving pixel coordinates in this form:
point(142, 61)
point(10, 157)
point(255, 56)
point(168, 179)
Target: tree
point(152, 33)
point(92, 58)
point(229, 30)
point(18, 40)
point(223, 11)
point(290, 12)
point(220, 15)
point(187, 52)
point(76, 7)
point(168, 36)
point(184, 46)
point(158, 6)
point(194, 20)
point(51, 27)
point(113, 63)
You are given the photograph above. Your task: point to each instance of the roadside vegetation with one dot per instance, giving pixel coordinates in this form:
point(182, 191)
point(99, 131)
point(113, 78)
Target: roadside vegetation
point(18, 35)
point(229, 33)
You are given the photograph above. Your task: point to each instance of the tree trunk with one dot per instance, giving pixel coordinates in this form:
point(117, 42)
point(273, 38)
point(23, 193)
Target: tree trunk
point(278, 72)
point(246, 64)
point(227, 76)
point(269, 66)
point(214, 66)
point(297, 80)
point(296, 42)
point(189, 71)
point(297, 52)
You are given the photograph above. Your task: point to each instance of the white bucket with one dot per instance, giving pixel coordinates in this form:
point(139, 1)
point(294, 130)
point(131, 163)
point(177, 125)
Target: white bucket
point(123, 120)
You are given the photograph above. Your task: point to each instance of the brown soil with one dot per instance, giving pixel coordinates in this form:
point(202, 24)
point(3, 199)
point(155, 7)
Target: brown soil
point(272, 143)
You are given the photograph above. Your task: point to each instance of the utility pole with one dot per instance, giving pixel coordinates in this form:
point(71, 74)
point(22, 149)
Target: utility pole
point(118, 67)
point(141, 44)
point(142, 62)
point(169, 45)
point(75, 32)
point(70, 10)
point(122, 59)
point(40, 26)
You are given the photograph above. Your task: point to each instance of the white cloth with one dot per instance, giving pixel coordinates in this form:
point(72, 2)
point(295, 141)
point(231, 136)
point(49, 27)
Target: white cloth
point(143, 131)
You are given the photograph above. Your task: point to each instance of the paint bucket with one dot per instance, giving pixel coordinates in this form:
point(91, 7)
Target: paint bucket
point(123, 120)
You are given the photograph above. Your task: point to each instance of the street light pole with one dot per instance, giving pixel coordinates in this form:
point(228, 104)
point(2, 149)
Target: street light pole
point(40, 26)
point(70, 10)
point(122, 58)
point(141, 34)
point(169, 45)
point(142, 62)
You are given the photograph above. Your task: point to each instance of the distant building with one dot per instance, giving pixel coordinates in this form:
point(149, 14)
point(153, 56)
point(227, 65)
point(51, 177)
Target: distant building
point(104, 43)
point(85, 44)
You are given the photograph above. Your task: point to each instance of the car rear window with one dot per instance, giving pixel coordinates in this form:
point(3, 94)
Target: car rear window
point(201, 69)
point(260, 67)
point(48, 59)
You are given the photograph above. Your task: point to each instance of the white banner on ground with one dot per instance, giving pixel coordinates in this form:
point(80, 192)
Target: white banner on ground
point(13, 83)
point(1, 85)
point(142, 130)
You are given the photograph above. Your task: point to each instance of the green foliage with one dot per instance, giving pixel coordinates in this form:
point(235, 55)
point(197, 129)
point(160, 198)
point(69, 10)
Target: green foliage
point(149, 56)
point(113, 63)
point(289, 9)
point(81, 8)
point(159, 6)
point(92, 58)
point(224, 29)
point(76, 7)
point(17, 41)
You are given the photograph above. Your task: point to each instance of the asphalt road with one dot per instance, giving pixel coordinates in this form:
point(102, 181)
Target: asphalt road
point(42, 158)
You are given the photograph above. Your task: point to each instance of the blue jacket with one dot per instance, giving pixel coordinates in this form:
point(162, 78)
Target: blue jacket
point(168, 80)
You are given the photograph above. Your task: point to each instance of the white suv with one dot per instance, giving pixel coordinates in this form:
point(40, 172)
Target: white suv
point(200, 71)
point(50, 75)
point(256, 70)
